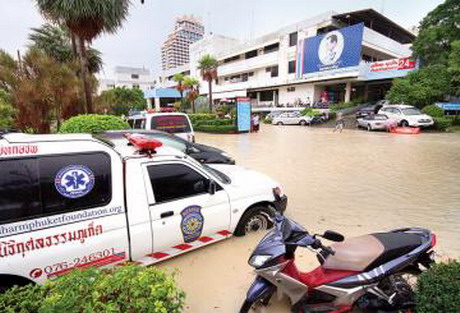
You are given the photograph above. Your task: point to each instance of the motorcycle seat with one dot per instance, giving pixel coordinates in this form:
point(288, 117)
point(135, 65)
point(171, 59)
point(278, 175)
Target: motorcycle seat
point(364, 253)
point(395, 245)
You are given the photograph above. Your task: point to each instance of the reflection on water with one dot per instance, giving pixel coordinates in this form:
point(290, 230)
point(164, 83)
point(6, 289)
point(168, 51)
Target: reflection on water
point(355, 182)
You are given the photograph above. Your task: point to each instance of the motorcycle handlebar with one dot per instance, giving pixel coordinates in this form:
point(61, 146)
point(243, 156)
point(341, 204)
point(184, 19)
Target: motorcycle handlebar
point(317, 244)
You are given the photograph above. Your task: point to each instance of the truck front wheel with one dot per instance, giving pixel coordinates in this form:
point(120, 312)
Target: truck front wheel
point(256, 218)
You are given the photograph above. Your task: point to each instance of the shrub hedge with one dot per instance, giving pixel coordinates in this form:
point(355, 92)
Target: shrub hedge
point(438, 289)
point(216, 128)
point(442, 123)
point(119, 290)
point(433, 110)
point(201, 116)
point(92, 123)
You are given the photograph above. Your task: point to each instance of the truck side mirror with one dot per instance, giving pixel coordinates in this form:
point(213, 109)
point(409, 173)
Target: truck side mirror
point(212, 187)
point(199, 187)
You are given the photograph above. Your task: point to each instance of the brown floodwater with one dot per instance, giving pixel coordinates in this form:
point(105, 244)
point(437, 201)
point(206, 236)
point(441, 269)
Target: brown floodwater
point(354, 182)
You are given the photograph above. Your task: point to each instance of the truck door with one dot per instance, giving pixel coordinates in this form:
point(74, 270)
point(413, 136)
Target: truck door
point(181, 208)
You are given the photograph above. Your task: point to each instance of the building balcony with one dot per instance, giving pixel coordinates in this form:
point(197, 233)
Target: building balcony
point(379, 42)
point(246, 65)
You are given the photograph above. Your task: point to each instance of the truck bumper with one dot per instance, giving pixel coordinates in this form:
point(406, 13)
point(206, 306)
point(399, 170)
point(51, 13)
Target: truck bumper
point(281, 203)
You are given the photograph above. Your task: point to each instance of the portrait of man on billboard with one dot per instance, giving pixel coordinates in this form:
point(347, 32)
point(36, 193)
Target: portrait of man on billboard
point(331, 48)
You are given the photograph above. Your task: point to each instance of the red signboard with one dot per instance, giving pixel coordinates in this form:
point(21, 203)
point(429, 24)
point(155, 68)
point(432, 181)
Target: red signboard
point(394, 64)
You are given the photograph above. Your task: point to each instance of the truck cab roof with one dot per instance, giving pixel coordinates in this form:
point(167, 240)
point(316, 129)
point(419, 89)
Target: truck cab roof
point(123, 150)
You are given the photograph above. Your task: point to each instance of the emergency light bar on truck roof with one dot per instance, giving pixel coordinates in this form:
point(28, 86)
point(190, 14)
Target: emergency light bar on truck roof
point(143, 144)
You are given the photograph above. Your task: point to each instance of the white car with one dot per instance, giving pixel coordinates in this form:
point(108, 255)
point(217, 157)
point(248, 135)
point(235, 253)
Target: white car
point(406, 115)
point(292, 118)
point(178, 124)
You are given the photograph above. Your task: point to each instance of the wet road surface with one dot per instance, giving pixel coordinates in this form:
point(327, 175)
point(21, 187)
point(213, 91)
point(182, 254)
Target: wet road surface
point(354, 182)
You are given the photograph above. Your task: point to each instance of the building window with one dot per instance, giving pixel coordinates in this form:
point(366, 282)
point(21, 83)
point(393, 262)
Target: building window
point(292, 39)
point(266, 95)
point(290, 89)
point(136, 86)
point(291, 67)
point(135, 76)
point(250, 54)
point(111, 86)
point(231, 59)
point(271, 48)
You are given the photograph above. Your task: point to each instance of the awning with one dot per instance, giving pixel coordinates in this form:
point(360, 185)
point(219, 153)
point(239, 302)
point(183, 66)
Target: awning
point(229, 94)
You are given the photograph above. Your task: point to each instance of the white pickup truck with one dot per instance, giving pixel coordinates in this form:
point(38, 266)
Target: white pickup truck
point(73, 201)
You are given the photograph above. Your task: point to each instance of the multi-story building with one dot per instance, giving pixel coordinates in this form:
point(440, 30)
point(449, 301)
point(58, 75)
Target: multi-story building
point(130, 77)
point(175, 50)
point(328, 58)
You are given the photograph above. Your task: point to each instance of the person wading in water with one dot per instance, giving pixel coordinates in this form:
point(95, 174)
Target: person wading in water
point(339, 123)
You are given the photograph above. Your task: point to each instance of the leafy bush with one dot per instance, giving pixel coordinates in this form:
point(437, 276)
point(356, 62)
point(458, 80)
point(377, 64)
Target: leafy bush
point(438, 289)
point(123, 289)
point(92, 123)
point(442, 123)
point(216, 128)
point(120, 100)
point(201, 117)
point(267, 120)
point(216, 122)
point(341, 106)
point(433, 110)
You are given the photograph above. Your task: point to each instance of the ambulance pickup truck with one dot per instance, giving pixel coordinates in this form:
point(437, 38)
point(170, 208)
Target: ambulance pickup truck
point(73, 201)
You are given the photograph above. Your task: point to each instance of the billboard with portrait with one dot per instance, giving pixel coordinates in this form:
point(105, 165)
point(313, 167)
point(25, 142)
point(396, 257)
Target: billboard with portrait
point(338, 49)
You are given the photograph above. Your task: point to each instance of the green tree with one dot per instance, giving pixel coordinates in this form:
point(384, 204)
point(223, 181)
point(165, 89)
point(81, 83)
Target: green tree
point(86, 20)
point(120, 100)
point(208, 66)
point(6, 110)
point(41, 90)
point(192, 86)
point(423, 87)
point(179, 80)
point(437, 31)
point(454, 67)
point(56, 41)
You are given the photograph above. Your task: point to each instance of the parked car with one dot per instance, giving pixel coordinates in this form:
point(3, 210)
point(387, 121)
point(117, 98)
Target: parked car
point(292, 118)
point(369, 109)
point(373, 122)
point(173, 123)
point(72, 201)
point(406, 115)
point(201, 153)
point(274, 114)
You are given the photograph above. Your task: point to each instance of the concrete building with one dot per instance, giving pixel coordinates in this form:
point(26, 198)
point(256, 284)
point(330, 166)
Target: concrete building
point(175, 50)
point(328, 58)
point(130, 77)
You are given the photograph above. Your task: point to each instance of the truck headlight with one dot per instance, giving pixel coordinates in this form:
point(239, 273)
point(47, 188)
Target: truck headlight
point(278, 192)
point(259, 260)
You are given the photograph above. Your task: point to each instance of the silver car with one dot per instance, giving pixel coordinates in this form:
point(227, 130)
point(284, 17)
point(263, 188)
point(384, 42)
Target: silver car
point(292, 118)
point(373, 122)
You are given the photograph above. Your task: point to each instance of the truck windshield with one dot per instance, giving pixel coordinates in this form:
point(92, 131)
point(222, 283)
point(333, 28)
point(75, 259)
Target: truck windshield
point(218, 174)
point(171, 123)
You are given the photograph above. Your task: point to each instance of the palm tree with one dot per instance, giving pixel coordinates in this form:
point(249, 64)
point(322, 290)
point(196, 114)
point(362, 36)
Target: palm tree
point(192, 86)
point(56, 42)
point(86, 20)
point(179, 79)
point(208, 66)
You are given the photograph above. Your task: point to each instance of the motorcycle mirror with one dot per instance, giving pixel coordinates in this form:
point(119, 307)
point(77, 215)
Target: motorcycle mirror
point(333, 236)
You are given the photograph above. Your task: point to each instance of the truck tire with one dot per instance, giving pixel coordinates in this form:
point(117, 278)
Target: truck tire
point(8, 281)
point(256, 218)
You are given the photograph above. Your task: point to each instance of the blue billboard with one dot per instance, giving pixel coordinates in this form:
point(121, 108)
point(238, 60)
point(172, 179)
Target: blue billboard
point(335, 50)
point(243, 113)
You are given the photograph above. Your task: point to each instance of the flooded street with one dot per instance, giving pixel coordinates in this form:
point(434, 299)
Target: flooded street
point(355, 182)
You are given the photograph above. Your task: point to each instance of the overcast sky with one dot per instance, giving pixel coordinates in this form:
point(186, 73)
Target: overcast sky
point(138, 43)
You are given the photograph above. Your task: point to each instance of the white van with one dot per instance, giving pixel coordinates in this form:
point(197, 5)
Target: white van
point(174, 123)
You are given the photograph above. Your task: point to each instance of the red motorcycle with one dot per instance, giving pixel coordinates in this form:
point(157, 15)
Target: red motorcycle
point(370, 272)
